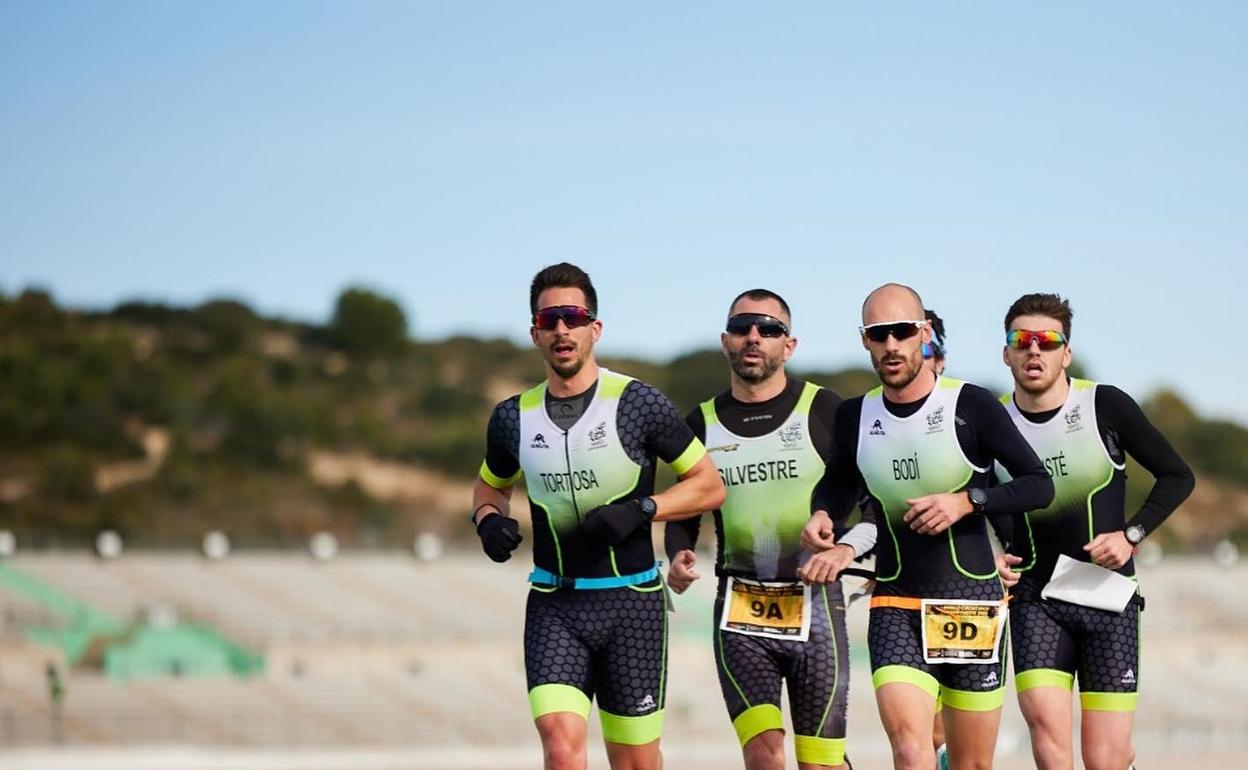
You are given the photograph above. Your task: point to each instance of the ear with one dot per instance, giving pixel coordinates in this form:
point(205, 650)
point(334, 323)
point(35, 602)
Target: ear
point(1066, 356)
point(597, 330)
point(723, 344)
point(1005, 355)
point(927, 332)
point(533, 335)
point(863, 339)
point(789, 347)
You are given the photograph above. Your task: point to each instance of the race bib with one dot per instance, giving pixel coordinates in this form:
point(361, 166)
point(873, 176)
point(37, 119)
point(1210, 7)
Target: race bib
point(777, 610)
point(965, 631)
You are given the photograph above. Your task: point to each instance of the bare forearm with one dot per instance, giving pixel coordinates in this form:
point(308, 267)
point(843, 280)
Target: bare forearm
point(699, 489)
point(486, 497)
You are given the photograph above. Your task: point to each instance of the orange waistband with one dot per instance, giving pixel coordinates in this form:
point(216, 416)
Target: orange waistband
point(900, 602)
point(906, 602)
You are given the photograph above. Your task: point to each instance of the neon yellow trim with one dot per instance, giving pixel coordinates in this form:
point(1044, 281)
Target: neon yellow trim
point(1043, 677)
point(688, 458)
point(612, 385)
point(806, 399)
point(554, 536)
point(1005, 398)
point(820, 751)
point(836, 662)
point(496, 481)
point(723, 663)
point(532, 398)
point(973, 701)
point(948, 383)
point(1078, 384)
point(757, 719)
point(631, 731)
point(1108, 701)
point(708, 413)
point(551, 698)
point(905, 675)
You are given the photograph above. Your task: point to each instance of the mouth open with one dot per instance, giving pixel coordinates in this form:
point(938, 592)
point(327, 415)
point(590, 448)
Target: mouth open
point(563, 349)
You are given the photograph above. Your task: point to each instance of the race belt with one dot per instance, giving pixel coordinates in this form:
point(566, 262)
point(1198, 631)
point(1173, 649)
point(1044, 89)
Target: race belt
point(778, 610)
point(955, 630)
point(544, 577)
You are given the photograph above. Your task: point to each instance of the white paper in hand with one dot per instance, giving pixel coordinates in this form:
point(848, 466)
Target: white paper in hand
point(1089, 585)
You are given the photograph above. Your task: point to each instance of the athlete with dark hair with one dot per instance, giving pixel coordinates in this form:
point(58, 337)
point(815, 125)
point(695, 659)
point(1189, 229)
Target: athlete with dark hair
point(585, 443)
point(1083, 431)
point(770, 436)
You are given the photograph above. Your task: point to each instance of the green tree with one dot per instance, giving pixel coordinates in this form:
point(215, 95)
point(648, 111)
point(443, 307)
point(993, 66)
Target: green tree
point(367, 324)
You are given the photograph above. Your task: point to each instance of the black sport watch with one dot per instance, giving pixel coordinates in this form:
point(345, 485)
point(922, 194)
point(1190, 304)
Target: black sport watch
point(1134, 534)
point(978, 498)
point(648, 507)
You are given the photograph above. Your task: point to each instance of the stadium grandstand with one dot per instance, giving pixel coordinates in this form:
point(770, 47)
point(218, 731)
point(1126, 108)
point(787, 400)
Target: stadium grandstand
point(381, 660)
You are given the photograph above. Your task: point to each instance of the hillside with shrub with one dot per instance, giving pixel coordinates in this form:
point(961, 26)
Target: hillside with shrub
point(163, 422)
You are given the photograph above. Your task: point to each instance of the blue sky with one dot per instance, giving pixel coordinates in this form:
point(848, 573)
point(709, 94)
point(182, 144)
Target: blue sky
point(443, 152)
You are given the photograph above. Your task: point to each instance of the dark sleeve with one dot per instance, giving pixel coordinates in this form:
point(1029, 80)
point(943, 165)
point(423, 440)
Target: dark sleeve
point(1122, 421)
point(682, 535)
point(842, 485)
point(502, 442)
point(987, 433)
point(1003, 526)
point(665, 434)
point(822, 420)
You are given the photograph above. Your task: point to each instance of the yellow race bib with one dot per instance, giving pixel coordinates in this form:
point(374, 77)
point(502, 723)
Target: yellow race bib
point(962, 631)
point(778, 610)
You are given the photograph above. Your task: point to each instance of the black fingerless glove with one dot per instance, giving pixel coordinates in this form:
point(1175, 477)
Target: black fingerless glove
point(612, 524)
point(500, 535)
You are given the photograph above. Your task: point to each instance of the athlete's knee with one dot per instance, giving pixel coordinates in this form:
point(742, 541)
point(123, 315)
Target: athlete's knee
point(644, 757)
point(764, 751)
point(911, 754)
point(562, 754)
point(1108, 756)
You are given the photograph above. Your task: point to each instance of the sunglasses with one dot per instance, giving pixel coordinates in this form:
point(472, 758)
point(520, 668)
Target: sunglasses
point(573, 317)
point(1021, 339)
point(900, 330)
point(768, 326)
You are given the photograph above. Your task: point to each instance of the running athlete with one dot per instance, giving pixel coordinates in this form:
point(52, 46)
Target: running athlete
point(934, 351)
point(922, 447)
point(1083, 431)
point(770, 436)
point(585, 442)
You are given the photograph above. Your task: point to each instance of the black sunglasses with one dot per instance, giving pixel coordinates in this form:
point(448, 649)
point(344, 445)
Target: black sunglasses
point(901, 330)
point(768, 326)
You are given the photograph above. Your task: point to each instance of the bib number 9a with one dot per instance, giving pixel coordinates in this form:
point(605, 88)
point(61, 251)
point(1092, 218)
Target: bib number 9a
point(778, 610)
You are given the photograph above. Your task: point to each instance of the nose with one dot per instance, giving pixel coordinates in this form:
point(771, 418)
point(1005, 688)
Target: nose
point(1034, 345)
point(754, 334)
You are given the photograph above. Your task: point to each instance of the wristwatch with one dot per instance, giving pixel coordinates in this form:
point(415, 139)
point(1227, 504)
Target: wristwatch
point(979, 499)
point(648, 507)
point(1134, 534)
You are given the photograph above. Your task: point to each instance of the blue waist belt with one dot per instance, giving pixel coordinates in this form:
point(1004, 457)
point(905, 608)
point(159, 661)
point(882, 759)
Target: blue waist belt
point(545, 577)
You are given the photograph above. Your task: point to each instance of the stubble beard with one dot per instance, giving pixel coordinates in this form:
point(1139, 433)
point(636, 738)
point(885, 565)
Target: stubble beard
point(753, 373)
point(907, 375)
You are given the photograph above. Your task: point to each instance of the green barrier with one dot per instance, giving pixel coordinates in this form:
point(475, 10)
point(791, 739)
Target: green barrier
point(130, 652)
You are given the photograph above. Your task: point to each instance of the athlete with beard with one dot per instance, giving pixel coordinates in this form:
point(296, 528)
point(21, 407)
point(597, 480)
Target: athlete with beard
point(1084, 432)
point(922, 447)
point(585, 442)
point(770, 436)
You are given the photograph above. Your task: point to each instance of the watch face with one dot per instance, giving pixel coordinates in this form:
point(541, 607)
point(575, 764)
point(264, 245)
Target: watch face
point(648, 506)
point(1135, 534)
point(979, 497)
